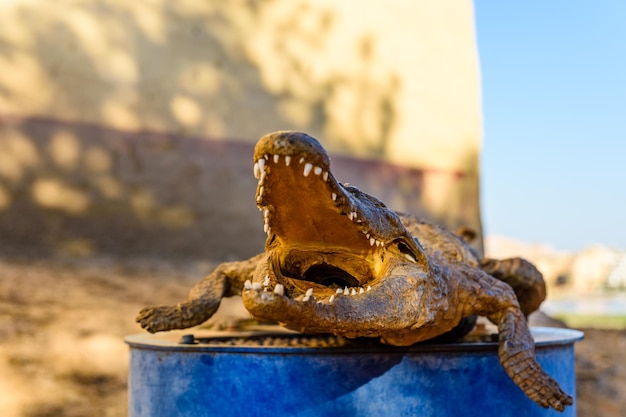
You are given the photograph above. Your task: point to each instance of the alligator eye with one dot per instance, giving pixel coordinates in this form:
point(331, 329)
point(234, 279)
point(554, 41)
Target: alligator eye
point(407, 252)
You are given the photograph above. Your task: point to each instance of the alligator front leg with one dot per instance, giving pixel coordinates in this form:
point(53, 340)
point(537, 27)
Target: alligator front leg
point(496, 300)
point(203, 300)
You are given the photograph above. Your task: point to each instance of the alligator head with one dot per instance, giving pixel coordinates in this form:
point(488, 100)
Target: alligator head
point(323, 236)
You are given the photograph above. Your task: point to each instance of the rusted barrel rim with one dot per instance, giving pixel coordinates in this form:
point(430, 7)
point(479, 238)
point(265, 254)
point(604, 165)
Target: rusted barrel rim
point(213, 341)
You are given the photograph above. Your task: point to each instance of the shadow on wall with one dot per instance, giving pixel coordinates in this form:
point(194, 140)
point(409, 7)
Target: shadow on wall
point(208, 69)
point(77, 189)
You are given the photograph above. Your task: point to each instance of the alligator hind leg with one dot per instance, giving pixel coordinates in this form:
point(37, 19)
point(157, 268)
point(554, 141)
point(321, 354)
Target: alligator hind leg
point(522, 276)
point(203, 300)
point(495, 300)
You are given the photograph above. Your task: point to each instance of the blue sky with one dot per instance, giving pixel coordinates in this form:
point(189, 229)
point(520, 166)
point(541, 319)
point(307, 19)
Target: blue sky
point(554, 107)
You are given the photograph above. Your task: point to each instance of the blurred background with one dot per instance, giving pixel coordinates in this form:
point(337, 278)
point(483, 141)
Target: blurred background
point(126, 137)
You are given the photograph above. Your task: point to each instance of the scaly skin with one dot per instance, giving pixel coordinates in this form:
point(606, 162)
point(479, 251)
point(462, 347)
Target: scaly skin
point(338, 261)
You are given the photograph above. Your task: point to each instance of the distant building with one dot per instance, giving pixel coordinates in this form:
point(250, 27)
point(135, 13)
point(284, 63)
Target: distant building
point(595, 269)
point(617, 274)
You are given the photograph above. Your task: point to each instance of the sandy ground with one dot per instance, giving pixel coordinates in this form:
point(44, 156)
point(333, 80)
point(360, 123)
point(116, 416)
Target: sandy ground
point(62, 324)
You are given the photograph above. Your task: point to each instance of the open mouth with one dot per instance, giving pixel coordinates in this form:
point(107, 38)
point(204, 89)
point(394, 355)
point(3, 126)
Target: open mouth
point(326, 282)
point(330, 276)
point(326, 273)
point(325, 237)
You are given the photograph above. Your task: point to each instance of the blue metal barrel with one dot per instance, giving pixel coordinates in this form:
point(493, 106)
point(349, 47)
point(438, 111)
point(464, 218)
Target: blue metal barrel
point(207, 378)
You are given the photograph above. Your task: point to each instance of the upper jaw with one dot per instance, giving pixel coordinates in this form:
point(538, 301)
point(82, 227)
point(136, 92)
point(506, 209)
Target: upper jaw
point(302, 202)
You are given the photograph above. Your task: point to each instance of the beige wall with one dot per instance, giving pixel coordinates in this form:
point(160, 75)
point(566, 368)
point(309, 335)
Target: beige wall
point(394, 81)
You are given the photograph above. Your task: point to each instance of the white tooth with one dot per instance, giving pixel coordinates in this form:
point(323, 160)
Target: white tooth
point(325, 176)
point(266, 281)
point(361, 290)
point(261, 190)
point(287, 160)
point(247, 285)
point(334, 196)
point(266, 228)
point(261, 164)
point(364, 232)
point(379, 243)
point(276, 158)
point(372, 240)
point(346, 291)
point(267, 158)
point(353, 215)
point(306, 298)
point(301, 160)
point(368, 288)
point(279, 289)
point(410, 258)
point(353, 292)
point(331, 299)
point(256, 286)
point(258, 199)
point(339, 291)
point(257, 171)
point(307, 169)
point(350, 216)
point(309, 292)
point(317, 170)
point(367, 235)
point(266, 213)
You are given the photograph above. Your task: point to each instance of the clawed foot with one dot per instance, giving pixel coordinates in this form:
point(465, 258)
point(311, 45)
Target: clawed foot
point(545, 391)
point(558, 398)
point(162, 318)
